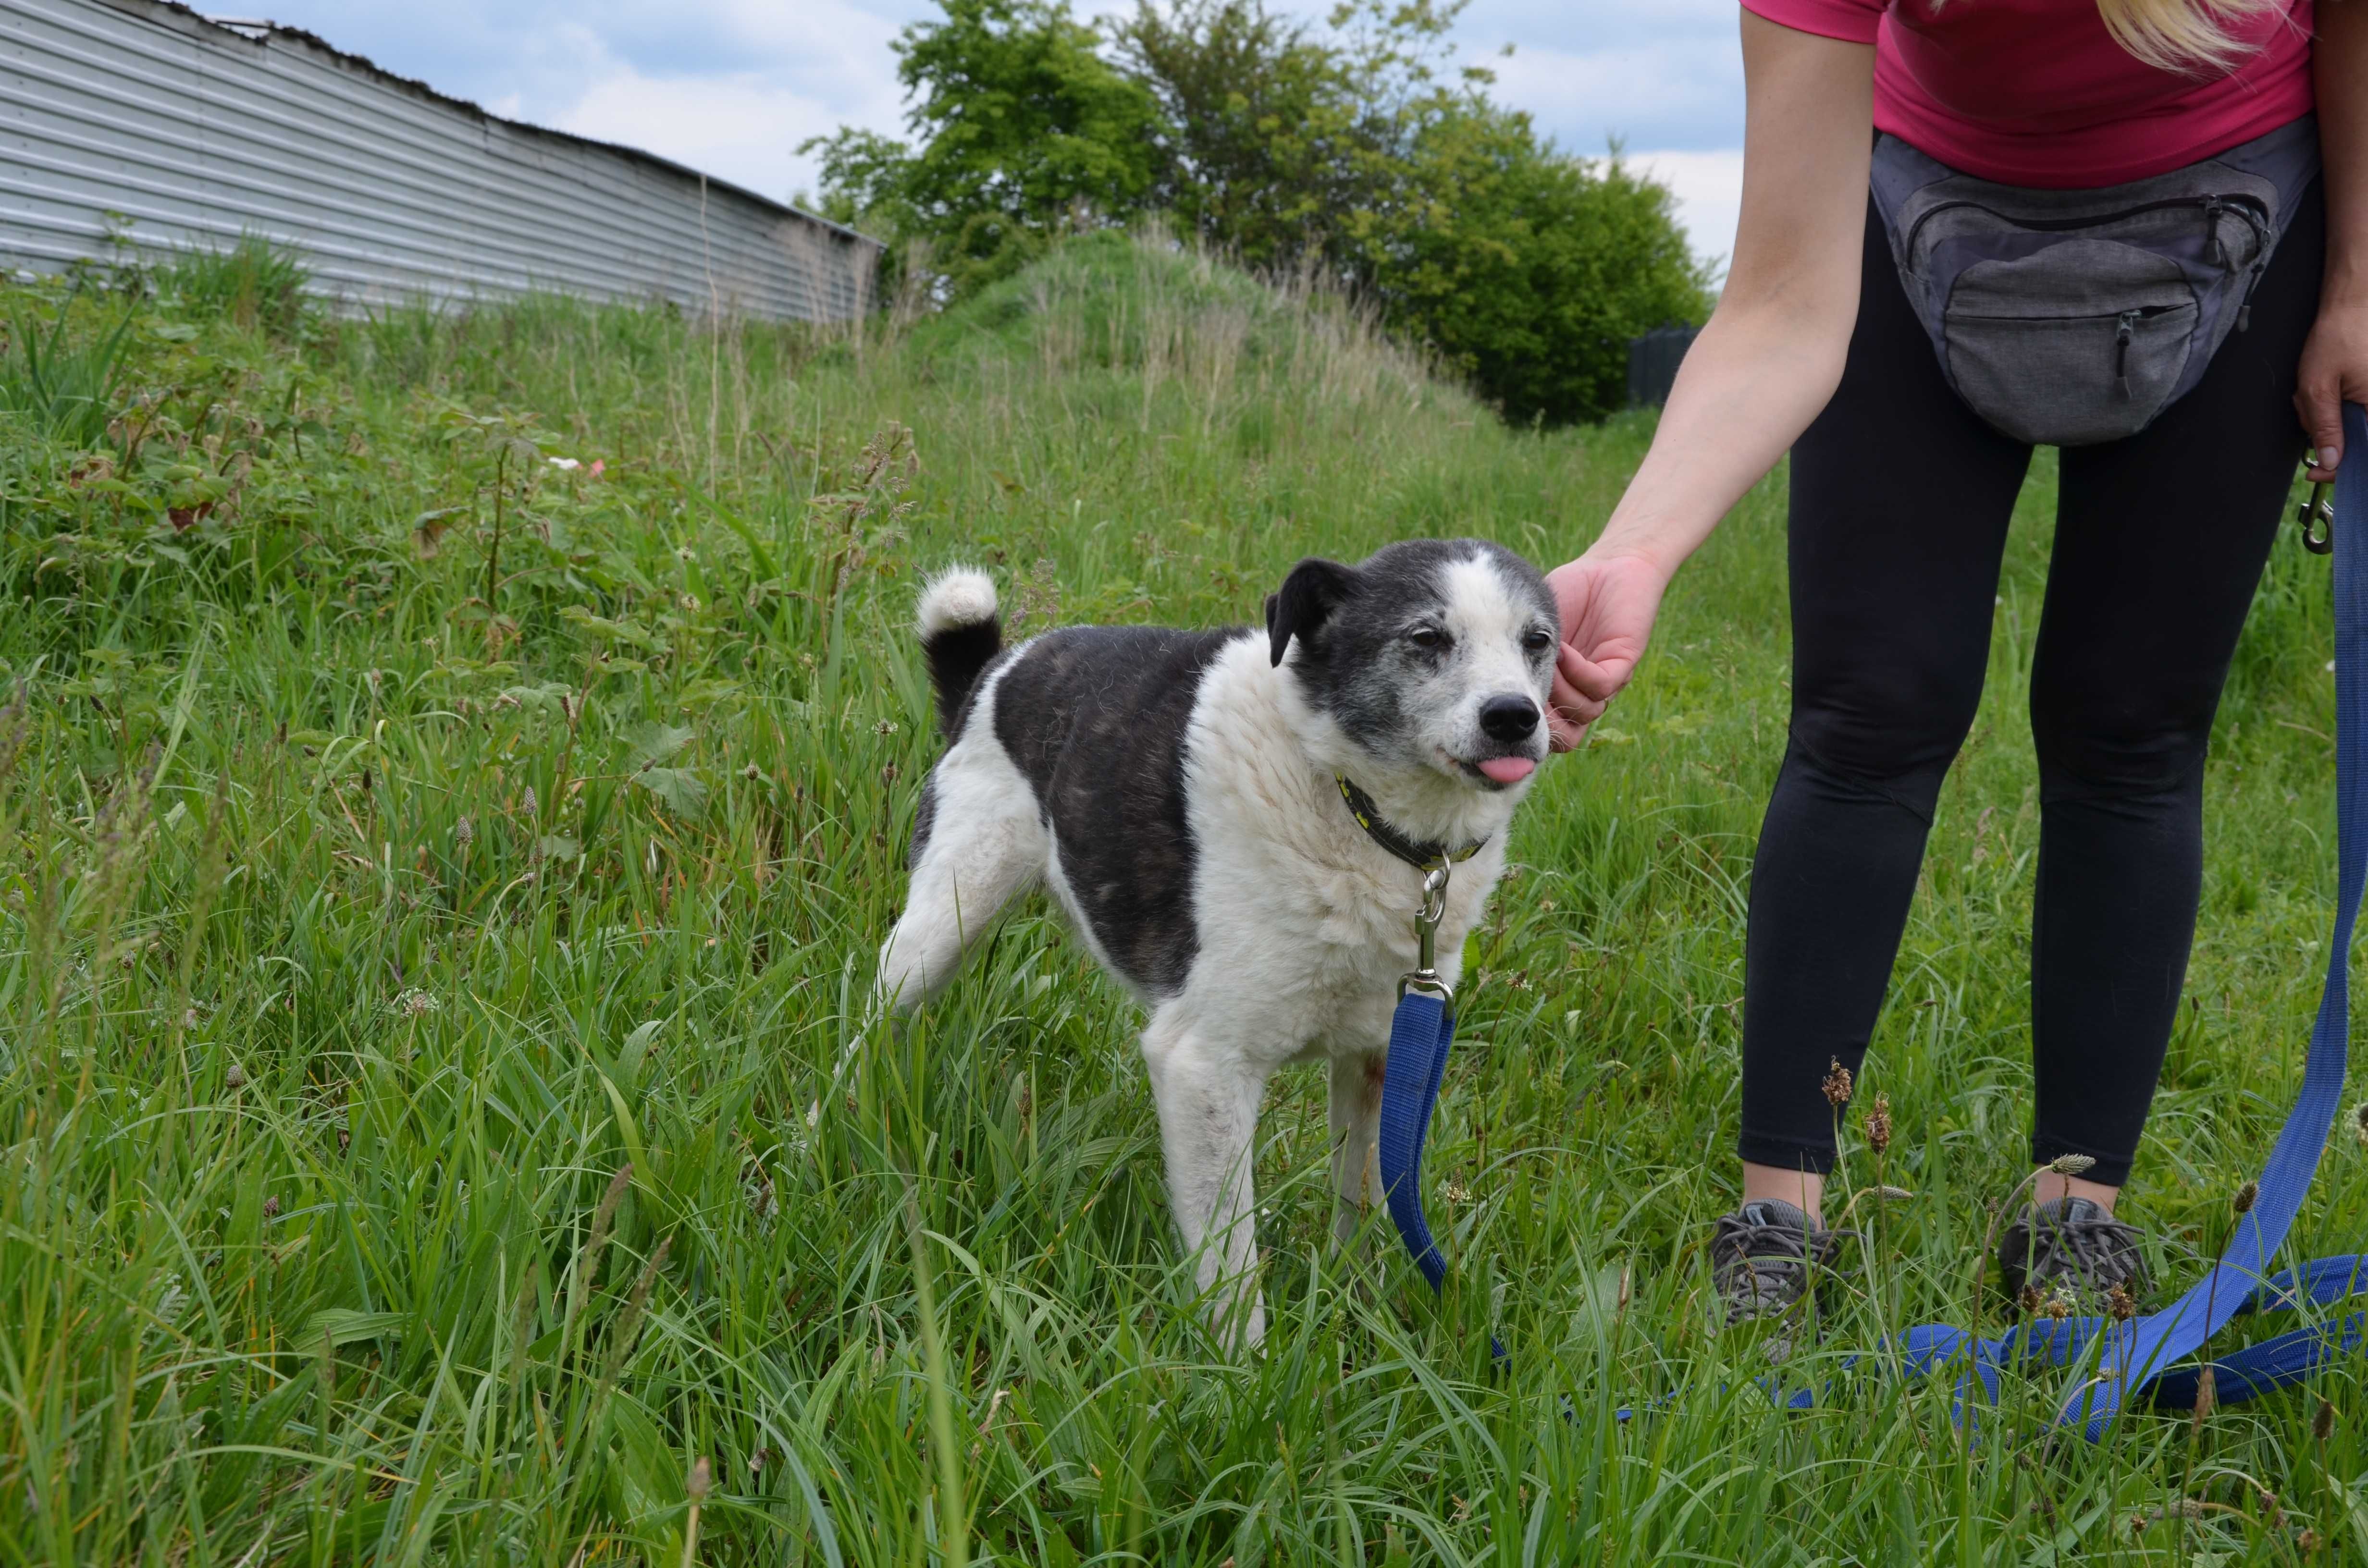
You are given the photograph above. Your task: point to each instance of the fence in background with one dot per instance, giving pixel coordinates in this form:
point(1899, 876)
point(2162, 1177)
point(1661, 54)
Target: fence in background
point(1653, 361)
point(142, 119)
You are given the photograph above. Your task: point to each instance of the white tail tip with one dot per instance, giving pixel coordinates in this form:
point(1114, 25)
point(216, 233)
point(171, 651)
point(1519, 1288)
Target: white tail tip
point(956, 598)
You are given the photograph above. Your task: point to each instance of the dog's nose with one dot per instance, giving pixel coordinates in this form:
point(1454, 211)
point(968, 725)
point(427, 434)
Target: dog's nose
point(1508, 718)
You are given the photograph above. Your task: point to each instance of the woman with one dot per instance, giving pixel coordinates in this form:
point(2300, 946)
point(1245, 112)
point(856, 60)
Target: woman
point(1899, 503)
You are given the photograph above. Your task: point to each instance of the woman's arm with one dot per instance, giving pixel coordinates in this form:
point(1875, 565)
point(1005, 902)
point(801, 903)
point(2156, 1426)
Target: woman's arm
point(1764, 366)
point(2335, 360)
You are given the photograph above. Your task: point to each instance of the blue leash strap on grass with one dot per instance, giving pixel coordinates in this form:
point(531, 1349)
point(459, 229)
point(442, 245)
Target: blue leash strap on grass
point(2141, 1355)
point(1420, 1033)
point(2148, 1347)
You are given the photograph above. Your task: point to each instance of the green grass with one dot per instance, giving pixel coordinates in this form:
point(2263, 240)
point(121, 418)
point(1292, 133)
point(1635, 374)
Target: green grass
point(403, 836)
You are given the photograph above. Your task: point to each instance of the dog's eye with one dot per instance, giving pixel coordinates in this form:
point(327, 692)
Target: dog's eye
point(1537, 639)
point(1427, 636)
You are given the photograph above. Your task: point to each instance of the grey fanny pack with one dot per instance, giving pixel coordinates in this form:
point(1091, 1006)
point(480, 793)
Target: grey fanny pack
point(2070, 317)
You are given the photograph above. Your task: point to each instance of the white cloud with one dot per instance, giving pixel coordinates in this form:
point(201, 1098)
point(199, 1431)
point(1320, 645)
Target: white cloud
point(1664, 94)
point(1708, 187)
point(744, 127)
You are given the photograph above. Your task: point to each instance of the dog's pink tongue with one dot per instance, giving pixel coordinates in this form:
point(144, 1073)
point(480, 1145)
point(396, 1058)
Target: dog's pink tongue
point(1509, 769)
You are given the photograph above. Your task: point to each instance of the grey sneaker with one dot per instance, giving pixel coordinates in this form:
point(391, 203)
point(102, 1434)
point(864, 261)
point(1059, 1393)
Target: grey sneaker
point(1761, 1258)
point(2074, 1245)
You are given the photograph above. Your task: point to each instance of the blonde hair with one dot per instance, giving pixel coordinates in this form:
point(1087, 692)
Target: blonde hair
point(2178, 34)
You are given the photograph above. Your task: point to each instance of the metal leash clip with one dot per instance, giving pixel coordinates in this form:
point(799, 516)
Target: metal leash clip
point(2318, 513)
point(1425, 976)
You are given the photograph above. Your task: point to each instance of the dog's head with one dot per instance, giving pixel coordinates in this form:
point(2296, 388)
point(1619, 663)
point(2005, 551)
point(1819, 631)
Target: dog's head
point(1433, 657)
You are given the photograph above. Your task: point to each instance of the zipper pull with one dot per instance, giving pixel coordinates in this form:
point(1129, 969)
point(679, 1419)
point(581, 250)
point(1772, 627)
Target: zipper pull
point(2245, 309)
point(2126, 329)
point(2212, 231)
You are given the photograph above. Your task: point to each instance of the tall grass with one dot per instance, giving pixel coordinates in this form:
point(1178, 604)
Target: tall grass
point(60, 388)
point(438, 1112)
point(254, 283)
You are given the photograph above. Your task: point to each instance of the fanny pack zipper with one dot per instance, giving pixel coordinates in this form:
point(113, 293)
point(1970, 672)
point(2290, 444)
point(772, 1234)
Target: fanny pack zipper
point(2245, 207)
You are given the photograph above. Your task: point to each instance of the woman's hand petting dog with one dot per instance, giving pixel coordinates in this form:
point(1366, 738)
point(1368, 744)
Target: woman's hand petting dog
point(1608, 604)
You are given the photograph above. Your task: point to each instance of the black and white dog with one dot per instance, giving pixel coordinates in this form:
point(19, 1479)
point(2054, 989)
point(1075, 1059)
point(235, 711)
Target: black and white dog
point(1234, 821)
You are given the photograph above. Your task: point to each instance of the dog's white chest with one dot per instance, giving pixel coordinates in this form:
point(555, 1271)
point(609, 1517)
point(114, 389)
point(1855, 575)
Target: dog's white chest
point(1304, 926)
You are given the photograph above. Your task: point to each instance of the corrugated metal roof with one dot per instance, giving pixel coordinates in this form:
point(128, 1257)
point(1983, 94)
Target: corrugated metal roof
point(146, 118)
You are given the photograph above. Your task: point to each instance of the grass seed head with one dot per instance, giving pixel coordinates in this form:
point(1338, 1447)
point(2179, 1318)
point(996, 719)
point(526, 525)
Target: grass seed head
point(2070, 1165)
point(2119, 1304)
point(1878, 1124)
point(2322, 1422)
point(2207, 1397)
point(235, 1076)
point(1837, 1084)
point(2246, 1196)
point(2360, 1123)
point(2031, 1300)
point(696, 1483)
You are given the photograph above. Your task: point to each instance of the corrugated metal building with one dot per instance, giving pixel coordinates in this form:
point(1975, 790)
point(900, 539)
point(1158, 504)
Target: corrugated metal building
point(144, 118)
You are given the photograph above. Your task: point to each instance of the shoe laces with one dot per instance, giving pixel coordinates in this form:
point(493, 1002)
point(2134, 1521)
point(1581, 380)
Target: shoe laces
point(2079, 1239)
point(1760, 1257)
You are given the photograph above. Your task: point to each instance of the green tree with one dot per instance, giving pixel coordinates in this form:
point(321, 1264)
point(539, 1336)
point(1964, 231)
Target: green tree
point(1528, 270)
point(1025, 132)
point(1275, 145)
point(1354, 151)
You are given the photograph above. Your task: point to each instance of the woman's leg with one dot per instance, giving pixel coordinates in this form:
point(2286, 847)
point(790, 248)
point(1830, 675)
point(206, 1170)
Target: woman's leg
point(1900, 500)
point(2160, 543)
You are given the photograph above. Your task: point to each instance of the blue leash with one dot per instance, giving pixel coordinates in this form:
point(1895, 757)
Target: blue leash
point(2134, 1357)
point(1420, 1033)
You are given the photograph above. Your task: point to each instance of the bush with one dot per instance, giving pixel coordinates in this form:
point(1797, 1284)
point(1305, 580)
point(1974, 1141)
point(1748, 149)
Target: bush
point(1348, 154)
point(1271, 143)
point(1027, 133)
point(1529, 270)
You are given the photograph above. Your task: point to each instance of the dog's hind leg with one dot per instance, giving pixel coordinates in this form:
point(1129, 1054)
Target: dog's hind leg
point(1208, 1097)
point(1355, 1114)
point(980, 842)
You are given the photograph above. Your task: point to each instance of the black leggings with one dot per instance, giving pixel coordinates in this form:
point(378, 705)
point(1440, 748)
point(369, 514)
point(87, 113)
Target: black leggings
point(1900, 498)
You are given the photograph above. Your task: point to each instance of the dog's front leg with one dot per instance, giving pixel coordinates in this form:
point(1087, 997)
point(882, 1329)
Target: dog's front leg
point(1208, 1096)
point(1355, 1114)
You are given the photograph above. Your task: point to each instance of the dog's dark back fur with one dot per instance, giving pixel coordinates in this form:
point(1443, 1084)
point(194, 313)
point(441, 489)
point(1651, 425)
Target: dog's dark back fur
point(1095, 717)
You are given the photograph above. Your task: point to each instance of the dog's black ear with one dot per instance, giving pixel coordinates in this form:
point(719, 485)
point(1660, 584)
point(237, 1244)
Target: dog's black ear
point(1305, 601)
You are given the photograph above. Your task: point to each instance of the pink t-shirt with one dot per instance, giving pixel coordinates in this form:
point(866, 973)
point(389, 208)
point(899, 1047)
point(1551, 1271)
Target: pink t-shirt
point(2037, 93)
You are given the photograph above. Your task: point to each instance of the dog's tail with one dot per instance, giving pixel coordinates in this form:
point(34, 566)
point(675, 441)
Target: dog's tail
point(961, 634)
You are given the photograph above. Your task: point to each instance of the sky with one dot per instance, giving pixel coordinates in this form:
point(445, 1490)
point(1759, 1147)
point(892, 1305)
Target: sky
point(732, 87)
